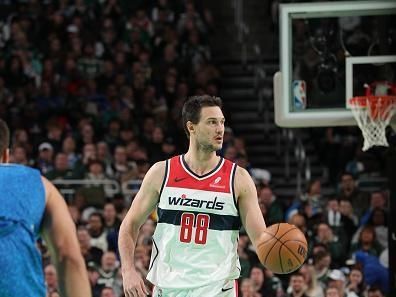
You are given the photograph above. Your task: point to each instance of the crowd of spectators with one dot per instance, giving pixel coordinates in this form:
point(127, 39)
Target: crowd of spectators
point(92, 91)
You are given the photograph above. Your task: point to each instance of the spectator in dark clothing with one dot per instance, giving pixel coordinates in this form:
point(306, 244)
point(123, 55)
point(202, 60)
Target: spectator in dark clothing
point(89, 252)
point(377, 220)
point(367, 242)
point(336, 245)
point(351, 220)
point(378, 199)
point(265, 285)
point(14, 75)
point(274, 209)
point(44, 162)
point(96, 229)
point(341, 225)
point(89, 153)
point(93, 275)
point(86, 134)
point(297, 285)
point(61, 169)
point(112, 222)
point(69, 149)
point(349, 191)
point(154, 148)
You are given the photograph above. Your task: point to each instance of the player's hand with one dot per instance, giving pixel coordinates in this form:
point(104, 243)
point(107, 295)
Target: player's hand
point(134, 285)
point(353, 286)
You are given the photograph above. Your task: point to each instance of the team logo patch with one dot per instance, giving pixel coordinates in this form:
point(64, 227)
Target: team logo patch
point(215, 183)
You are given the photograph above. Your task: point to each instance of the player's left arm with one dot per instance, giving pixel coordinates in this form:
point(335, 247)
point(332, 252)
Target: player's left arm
point(60, 234)
point(249, 210)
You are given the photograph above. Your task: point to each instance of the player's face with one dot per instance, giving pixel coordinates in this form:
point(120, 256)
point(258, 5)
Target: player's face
point(209, 131)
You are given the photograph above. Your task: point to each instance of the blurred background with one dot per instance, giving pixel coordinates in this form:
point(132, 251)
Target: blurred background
point(92, 91)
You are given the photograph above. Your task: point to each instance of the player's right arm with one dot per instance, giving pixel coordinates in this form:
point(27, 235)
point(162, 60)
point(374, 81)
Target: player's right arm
point(143, 204)
point(60, 234)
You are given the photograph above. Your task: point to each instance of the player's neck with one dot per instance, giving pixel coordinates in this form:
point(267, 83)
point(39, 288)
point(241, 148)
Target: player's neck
point(201, 162)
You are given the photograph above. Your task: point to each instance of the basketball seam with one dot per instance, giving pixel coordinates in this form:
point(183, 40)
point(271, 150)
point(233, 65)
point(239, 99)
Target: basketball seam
point(286, 233)
point(268, 239)
point(280, 257)
point(298, 260)
point(266, 257)
point(265, 242)
point(273, 234)
point(296, 240)
point(277, 229)
point(291, 251)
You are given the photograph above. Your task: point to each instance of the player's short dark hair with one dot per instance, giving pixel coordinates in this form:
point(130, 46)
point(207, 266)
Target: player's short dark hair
point(4, 136)
point(192, 108)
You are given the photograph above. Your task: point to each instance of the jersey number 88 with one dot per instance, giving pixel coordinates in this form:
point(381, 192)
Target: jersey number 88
point(187, 223)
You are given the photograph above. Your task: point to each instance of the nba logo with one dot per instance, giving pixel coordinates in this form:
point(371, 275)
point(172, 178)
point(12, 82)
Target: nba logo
point(299, 94)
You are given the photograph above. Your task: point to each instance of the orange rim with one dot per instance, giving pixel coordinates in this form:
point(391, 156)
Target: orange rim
point(379, 106)
point(361, 101)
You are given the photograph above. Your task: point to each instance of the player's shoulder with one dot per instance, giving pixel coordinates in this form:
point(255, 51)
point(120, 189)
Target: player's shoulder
point(243, 180)
point(241, 173)
point(154, 177)
point(156, 171)
point(159, 166)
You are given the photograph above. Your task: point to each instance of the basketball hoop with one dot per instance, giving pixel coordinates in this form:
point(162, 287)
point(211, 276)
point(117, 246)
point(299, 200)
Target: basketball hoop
point(373, 114)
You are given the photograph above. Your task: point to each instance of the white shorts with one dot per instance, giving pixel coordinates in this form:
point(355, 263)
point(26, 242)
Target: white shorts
point(226, 288)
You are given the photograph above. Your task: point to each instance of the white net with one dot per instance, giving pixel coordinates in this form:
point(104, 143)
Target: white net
point(373, 115)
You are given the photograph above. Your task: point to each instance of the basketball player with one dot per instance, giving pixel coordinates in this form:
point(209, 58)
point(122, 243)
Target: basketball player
point(201, 200)
point(31, 205)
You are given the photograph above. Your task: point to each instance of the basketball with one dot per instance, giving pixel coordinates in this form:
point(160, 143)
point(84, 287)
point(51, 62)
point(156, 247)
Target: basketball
point(282, 248)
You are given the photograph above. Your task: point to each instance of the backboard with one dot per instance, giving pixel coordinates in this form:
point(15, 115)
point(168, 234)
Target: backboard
point(329, 52)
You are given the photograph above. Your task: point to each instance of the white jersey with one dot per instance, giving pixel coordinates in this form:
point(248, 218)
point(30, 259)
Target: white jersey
point(195, 242)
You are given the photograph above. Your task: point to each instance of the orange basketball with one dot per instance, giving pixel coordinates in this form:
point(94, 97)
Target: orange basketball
point(282, 248)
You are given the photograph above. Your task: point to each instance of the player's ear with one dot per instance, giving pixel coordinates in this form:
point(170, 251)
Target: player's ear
point(190, 127)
